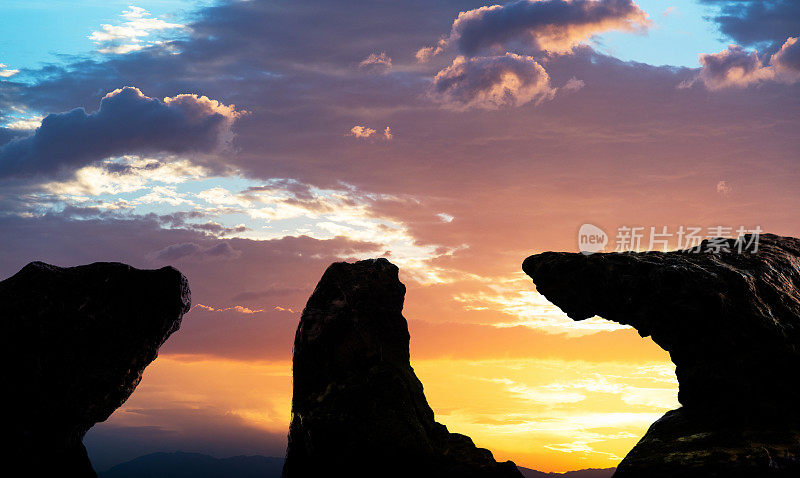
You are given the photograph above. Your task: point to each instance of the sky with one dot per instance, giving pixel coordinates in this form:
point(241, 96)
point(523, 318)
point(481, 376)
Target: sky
point(252, 143)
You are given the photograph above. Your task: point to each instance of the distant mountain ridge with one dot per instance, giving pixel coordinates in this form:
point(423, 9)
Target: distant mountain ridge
point(587, 473)
point(197, 465)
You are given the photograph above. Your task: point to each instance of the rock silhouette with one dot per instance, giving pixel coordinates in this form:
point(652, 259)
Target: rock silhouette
point(358, 409)
point(731, 323)
point(75, 341)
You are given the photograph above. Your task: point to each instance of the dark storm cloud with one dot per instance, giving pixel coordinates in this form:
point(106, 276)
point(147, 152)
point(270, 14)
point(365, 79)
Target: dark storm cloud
point(7, 134)
point(340, 34)
point(235, 46)
point(754, 22)
point(788, 57)
point(547, 24)
point(264, 57)
point(127, 122)
point(302, 103)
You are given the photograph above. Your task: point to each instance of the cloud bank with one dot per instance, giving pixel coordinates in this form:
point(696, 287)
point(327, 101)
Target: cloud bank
point(127, 122)
point(127, 37)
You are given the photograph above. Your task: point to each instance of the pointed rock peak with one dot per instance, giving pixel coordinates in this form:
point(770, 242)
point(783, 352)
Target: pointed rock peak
point(358, 409)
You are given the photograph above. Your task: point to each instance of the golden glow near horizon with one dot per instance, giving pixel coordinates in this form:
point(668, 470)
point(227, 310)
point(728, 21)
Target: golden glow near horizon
point(546, 414)
point(258, 393)
point(550, 415)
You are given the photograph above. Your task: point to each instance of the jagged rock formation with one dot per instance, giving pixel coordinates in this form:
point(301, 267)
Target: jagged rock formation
point(75, 342)
point(731, 323)
point(358, 408)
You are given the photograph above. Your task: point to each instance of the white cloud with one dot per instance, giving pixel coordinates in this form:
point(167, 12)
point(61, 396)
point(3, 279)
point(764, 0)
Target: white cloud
point(325, 214)
point(121, 49)
point(25, 124)
point(163, 194)
point(5, 72)
point(129, 36)
point(223, 197)
point(124, 175)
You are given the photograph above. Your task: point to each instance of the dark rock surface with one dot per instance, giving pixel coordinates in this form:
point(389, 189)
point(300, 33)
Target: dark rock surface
point(358, 409)
point(75, 342)
point(731, 323)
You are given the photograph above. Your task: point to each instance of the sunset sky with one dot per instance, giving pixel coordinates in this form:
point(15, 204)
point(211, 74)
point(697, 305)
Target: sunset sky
point(252, 143)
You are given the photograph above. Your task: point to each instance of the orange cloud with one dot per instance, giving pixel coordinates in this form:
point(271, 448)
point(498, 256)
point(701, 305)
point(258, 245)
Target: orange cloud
point(127, 122)
point(737, 67)
point(236, 308)
point(361, 132)
point(554, 26)
point(492, 82)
